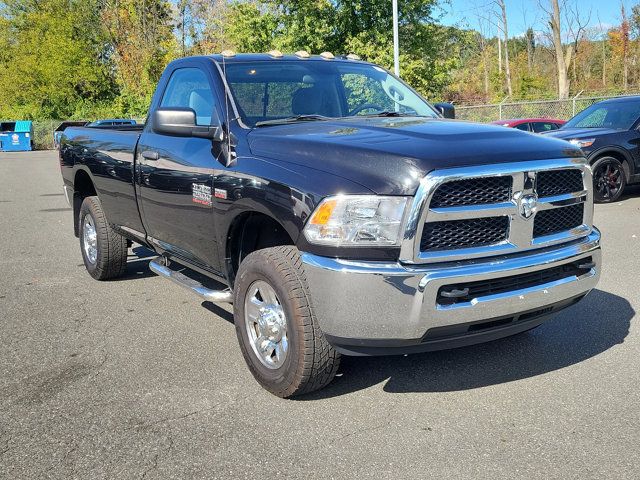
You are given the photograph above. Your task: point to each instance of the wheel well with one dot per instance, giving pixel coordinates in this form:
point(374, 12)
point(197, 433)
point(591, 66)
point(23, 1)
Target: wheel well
point(618, 156)
point(249, 232)
point(82, 188)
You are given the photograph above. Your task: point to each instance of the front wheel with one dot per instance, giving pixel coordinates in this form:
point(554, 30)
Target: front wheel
point(104, 250)
point(279, 336)
point(609, 179)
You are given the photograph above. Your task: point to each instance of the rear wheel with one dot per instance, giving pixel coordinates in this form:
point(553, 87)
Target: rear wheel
point(279, 336)
point(104, 251)
point(609, 179)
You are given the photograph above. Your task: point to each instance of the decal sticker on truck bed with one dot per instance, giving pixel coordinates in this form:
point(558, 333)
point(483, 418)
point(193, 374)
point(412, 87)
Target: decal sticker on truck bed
point(201, 194)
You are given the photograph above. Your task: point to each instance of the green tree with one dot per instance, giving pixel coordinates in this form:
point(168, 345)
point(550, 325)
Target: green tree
point(429, 52)
point(251, 27)
point(54, 58)
point(142, 43)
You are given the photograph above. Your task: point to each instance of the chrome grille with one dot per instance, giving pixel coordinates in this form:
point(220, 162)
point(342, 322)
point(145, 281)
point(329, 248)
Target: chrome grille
point(558, 182)
point(464, 213)
point(558, 220)
point(475, 191)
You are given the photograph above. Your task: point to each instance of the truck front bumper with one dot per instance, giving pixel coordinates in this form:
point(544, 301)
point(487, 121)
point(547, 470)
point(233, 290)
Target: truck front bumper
point(368, 308)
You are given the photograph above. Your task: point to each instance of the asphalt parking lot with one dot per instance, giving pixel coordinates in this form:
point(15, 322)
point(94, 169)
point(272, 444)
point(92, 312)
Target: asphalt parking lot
point(137, 378)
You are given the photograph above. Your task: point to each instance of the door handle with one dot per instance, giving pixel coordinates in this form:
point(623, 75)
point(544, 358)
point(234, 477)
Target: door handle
point(150, 155)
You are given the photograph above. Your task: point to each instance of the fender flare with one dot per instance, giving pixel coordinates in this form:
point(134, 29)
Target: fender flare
point(232, 228)
point(259, 208)
point(618, 151)
point(77, 200)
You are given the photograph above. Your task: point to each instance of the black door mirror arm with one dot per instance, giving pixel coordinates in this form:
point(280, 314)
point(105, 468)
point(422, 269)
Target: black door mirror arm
point(215, 133)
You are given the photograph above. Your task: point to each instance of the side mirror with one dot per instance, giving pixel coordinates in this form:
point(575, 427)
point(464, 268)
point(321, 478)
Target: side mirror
point(181, 122)
point(447, 110)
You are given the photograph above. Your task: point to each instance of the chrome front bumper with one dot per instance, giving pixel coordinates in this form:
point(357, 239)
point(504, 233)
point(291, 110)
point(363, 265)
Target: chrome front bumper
point(393, 305)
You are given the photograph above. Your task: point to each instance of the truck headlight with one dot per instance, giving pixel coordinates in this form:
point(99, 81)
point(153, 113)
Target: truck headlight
point(357, 220)
point(582, 142)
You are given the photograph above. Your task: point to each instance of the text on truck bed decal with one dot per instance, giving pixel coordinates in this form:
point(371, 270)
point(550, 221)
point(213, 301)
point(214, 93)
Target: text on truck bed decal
point(201, 194)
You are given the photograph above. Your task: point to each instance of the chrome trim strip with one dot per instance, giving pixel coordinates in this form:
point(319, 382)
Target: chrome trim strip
point(566, 236)
point(133, 232)
point(521, 229)
point(547, 203)
point(495, 265)
point(444, 214)
point(461, 254)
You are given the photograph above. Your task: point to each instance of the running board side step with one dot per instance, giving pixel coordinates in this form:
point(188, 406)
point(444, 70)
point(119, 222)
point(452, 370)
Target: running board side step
point(215, 296)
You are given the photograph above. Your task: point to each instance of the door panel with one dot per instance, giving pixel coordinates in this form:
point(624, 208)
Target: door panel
point(176, 189)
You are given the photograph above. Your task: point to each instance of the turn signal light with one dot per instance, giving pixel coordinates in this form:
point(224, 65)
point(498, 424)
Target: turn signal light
point(323, 213)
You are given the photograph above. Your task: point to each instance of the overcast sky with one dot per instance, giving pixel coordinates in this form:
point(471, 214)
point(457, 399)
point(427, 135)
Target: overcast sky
point(524, 13)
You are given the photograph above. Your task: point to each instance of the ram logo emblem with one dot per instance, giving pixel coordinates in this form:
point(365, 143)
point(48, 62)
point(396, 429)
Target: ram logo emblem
point(528, 205)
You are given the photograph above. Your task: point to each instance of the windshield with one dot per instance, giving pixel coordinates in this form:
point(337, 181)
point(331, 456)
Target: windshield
point(616, 115)
point(269, 91)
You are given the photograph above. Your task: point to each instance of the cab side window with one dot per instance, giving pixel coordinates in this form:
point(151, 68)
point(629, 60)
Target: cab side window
point(190, 88)
point(544, 126)
point(523, 126)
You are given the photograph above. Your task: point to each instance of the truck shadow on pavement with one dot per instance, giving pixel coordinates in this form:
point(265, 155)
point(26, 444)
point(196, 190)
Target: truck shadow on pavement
point(594, 325)
point(219, 311)
point(631, 191)
point(138, 264)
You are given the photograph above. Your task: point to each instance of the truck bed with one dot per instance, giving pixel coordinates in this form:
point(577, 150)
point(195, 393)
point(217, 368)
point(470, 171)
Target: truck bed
point(122, 136)
point(107, 155)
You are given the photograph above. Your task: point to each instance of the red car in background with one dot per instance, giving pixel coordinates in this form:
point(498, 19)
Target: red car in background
point(536, 125)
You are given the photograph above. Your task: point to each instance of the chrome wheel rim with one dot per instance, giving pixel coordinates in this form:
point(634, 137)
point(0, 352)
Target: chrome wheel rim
point(266, 325)
point(89, 239)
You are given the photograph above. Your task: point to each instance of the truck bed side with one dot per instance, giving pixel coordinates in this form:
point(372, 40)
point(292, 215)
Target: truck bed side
point(103, 160)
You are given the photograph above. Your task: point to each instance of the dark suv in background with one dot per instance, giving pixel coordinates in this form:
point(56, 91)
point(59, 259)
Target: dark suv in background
point(608, 134)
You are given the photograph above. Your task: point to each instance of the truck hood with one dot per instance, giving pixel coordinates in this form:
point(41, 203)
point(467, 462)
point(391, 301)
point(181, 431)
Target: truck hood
point(390, 155)
point(571, 133)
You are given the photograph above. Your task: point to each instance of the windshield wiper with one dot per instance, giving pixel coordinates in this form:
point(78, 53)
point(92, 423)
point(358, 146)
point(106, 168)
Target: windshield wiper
point(388, 113)
point(294, 119)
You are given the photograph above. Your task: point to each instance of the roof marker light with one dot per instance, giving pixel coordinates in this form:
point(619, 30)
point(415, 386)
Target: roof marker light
point(275, 53)
point(327, 55)
point(302, 54)
point(228, 53)
point(353, 56)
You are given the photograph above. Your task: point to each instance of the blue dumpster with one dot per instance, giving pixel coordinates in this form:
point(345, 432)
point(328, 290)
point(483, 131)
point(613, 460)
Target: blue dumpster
point(16, 136)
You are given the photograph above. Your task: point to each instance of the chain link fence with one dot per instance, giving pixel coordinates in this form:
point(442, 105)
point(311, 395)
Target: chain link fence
point(43, 132)
point(561, 109)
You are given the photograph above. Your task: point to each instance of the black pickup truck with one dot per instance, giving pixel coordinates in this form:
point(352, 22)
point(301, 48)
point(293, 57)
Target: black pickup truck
point(340, 212)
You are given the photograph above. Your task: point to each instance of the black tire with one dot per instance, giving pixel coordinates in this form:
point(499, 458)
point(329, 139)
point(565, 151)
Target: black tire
point(311, 362)
point(111, 247)
point(609, 179)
